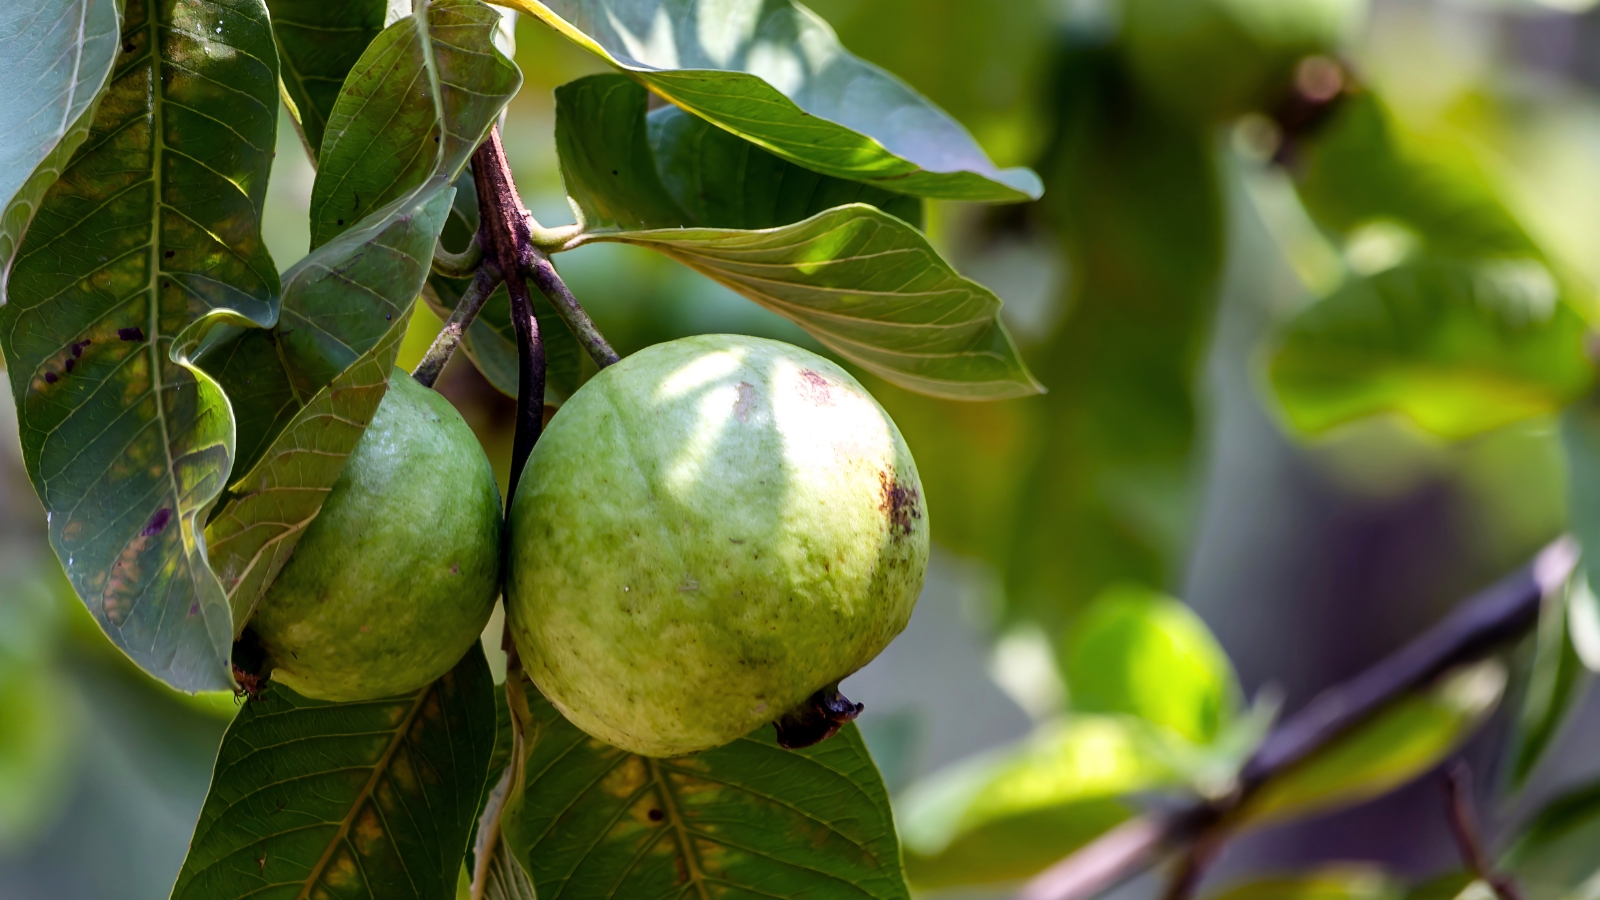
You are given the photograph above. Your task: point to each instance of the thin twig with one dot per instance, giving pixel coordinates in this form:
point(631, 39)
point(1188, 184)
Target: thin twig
point(1477, 628)
point(1464, 825)
point(444, 345)
point(543, 274)
point(1192, 867)
point(458, 265)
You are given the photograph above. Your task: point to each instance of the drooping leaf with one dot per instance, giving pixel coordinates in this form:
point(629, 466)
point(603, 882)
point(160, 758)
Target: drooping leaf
point(1403, 741)
point(1010, 814)
point(1554, 680)
point(1342, 882)
point(58, 56)
point(313, 799)
point(1457, 347)
point(748, 819)
point(154, 222)
point(319, 43)
point(773, 72)
point(1554, 856)
point(1138, 652)
point(629, 169)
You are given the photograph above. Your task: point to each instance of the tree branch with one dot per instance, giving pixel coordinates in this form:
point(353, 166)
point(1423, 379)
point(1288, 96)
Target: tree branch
point(484, 281)
point(1464, 825)
point(1475, 629)
point(544, 275)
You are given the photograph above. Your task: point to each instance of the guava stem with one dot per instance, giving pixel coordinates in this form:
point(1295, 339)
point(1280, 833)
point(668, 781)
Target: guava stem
point(543, 273)
point(458, 265)
point(484, 281)
point(817, 719)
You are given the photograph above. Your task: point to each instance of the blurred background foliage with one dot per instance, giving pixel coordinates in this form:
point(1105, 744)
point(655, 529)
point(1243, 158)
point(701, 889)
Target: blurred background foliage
point(1214, 237)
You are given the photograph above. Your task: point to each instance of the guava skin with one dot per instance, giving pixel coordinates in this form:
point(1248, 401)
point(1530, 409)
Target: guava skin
point(397, 575)
point(708, 533)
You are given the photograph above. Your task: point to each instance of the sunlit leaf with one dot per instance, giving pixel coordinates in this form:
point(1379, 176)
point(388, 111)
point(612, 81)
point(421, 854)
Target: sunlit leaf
point(773, 73)
point(1401, 742)
point(1346, 882)
point(750, 819)
point(1459, 348)
point(319, 43)
point(1554, 857)
point(1136, 651)
point(313, 799)
point(58, 55)
point(154, 222)
point(1013, 812)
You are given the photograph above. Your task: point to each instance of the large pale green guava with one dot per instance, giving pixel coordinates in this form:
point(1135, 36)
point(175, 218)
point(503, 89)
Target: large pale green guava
point(397, 575)
point(709, 533)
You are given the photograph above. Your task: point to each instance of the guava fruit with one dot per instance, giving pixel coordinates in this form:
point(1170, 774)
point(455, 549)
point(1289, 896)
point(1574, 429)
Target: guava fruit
point(1220, 58)
point(707, 538)
point(396, 576)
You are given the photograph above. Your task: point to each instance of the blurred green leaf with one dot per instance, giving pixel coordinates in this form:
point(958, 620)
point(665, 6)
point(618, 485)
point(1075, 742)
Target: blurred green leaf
point(1580, 439)
point(773, 73)
point(1140, 652)
point(1011, 813)
point(324, 799)
point(1404, 740)
point(58, 56)
point(1451, 886)
point(42, 716)
point(750, 818)
point(1554, 678)
point(319, 43)
point(1459, 348)
point(1343, 882)
point(154, 222)
point(1136, 204)
point(1554, 858)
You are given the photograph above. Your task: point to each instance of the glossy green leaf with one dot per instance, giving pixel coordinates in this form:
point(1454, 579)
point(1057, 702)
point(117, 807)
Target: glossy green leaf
point(1139, 652)
point(772, 72)
point(58, 55)
point(1401, 742)
point(419, 101)
point(154, 222)
point(1554, 858)
point(1344, 882)
point(1011, 813)
point(319, 43)
point(1458, 348)
point(628, 169)
point(371, 799)
point(1554, 679)
point(748, 819)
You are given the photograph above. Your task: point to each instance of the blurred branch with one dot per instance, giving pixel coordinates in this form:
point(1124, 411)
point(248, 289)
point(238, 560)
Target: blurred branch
point(1475, 629)
point(484, 281)
point(1464, 825)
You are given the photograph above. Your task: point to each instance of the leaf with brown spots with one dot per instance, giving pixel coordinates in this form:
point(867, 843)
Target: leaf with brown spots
point(374, 799)
point(750, 819)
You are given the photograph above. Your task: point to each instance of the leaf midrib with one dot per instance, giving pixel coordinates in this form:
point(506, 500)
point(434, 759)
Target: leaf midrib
point(691, 859)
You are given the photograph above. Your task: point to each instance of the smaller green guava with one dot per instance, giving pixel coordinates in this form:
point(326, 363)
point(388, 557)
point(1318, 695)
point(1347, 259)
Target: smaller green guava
point(708, 537)
point(397, 575)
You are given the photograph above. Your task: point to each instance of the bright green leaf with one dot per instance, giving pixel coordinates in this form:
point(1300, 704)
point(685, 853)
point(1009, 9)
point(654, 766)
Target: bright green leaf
point(58, 55)
point(1555, 855)
point(319, 42)
point(1346, 882)
point(1459, 348)
point(772, 72)
point(1139, 652)
point(1011, 813)
point(154, 222)
point(1401, 742)
point(747, 819)
point(355, 799)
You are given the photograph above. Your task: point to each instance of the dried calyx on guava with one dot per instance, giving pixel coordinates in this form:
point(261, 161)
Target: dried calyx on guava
point(707, 538)
point(397, 575)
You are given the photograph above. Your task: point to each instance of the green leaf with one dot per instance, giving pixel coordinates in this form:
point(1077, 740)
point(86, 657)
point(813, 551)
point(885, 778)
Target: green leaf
point(628, 169)
point(1459, 348)
point(1580, 438)
point(1401, 742)
point(1555, 855)
point(154, 222)
point(1341, 882)
point(355, 799)
point(58, 55)
point(419, 101)
point(1011, 813)
point(1553, 681)
point(319, 43)
point(1139, 652)
point(748, 819)
point(772, 72)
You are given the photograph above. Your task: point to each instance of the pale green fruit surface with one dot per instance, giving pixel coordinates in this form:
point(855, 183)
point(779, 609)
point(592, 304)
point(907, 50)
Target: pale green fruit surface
point(397, 575)
point(709, 532)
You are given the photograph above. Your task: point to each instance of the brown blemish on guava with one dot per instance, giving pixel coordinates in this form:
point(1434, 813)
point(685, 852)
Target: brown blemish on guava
point(900, 503)
point(747, 400)
point(815, 388)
